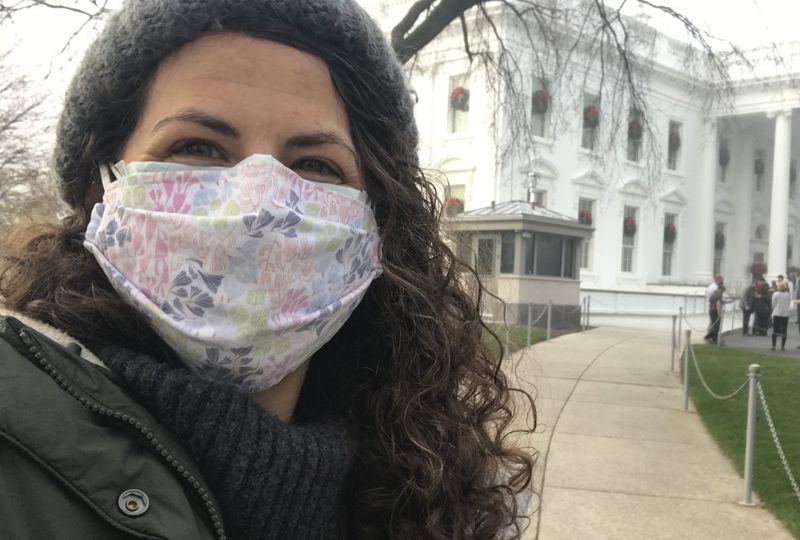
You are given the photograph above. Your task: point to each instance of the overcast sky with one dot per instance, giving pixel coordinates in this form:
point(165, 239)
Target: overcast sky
point(37, 36)
point(748, 23)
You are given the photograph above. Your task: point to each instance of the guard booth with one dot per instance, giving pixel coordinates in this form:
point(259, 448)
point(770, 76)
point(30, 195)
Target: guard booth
point(524, 253)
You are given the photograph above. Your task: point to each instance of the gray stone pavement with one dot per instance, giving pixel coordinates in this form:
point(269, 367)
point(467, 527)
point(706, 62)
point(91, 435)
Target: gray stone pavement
point(763, 344)
point(620, 459)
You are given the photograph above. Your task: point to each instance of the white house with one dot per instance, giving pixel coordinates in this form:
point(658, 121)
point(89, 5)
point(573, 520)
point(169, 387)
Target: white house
point(707, 186)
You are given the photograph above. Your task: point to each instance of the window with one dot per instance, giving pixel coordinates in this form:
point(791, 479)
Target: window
point(568, 266)
point(635, 134)
point(591, 119)
point(462, 245)
point(586, 216)
point(586, 210)
point(529, 248)
point(761, 232)
point(454, 199)
point(674, 145)
point(549, 255)
point(455, 190)
point(670, 235)
point(540, 107)
point(629, 228)
point(586, 254)
point(719, 247)
point(539, 197)
point(507, 253)
point(758, 170)
point(789, 250)
point(758, 256)
point(724, 158)
point(486, 256)
point(458, 104)
point(792, 181)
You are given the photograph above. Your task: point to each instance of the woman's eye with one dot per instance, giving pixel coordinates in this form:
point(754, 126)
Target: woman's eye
point(197, 149)
point(317, 170)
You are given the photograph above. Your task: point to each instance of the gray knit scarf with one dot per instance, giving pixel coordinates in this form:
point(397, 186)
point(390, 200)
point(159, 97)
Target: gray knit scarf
point(273, 480)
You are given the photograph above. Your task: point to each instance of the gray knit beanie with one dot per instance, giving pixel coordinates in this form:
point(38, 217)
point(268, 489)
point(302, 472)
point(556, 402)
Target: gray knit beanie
point(98, 113)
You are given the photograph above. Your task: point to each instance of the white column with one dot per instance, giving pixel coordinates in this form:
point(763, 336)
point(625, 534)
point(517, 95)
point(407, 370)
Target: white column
point(706, 194)
point(779, 209)
point(740, 170)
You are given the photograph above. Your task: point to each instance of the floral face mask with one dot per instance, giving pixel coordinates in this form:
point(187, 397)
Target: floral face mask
point(244, 271)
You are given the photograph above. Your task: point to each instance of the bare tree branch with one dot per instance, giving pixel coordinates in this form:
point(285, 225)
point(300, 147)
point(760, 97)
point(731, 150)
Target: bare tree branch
point(25, 183)
point(407, 22)
point(408, 43)
point(7, 9)
point(465, 34)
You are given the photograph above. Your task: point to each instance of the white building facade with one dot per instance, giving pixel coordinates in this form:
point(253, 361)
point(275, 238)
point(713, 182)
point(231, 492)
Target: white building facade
point(704, 187)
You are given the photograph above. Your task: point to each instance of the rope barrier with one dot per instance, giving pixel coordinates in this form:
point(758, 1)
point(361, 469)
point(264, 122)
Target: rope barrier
point(755, 388)
point(705, 384)
point(690, 325)
point(774, 432)
point(614, 309)
point(539, 318)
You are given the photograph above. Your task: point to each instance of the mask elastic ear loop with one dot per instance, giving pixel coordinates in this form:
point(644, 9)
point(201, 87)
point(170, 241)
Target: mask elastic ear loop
point(116, 171)
point(105, 176)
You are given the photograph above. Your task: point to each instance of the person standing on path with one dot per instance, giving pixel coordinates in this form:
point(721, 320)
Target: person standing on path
point(797, 303)
point(761, 308)
point(714, 311)
point(746, 305)
point(780, 314)
point(718, 280)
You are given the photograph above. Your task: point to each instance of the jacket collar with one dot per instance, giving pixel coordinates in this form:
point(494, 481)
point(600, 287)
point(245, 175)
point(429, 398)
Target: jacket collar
point(59, 336)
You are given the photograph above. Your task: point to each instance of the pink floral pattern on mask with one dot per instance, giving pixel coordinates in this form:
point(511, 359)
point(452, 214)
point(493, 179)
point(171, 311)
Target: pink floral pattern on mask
point(244, 271)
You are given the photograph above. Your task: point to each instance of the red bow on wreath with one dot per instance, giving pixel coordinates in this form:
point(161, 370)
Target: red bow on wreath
point(635, 130)
point(629, 226)
point(674, 140)
point(459, 99)
point(670, 233)
point(453, 206)
point(591, 117)
point(541, 101)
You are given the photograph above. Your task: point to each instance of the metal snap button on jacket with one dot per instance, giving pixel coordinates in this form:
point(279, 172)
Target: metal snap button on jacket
point(133, 502)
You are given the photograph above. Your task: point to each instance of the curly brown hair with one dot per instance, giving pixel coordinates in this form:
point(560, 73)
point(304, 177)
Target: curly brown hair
point(426, 397)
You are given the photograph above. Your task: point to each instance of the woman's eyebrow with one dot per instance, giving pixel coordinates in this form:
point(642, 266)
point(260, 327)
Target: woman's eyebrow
point(319, 138)
point(204, 119)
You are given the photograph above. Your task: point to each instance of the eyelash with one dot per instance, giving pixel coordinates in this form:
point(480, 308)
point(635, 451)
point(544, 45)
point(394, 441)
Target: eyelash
point(181, 149)
point(327, 168)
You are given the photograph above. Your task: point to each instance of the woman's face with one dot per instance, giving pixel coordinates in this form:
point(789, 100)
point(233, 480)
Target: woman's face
point(227, 96)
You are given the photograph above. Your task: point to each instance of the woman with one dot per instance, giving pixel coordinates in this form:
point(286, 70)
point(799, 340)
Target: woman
point(746, 304)
point(281, 344)
point(762, 308)
point(781, 305)
point(715, 305)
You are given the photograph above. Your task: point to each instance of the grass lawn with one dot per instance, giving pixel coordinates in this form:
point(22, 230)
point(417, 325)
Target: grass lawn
point(518, 336)
point(724, 370)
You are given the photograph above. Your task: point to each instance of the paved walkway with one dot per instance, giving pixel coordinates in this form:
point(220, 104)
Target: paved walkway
point(620, 459)
point(762, 344)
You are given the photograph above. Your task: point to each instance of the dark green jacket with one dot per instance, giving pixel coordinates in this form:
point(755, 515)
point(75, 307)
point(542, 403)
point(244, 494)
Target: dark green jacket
point(73, 445)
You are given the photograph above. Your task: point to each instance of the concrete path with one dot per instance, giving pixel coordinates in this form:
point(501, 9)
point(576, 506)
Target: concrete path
point(762, 344)
point(620, 459)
